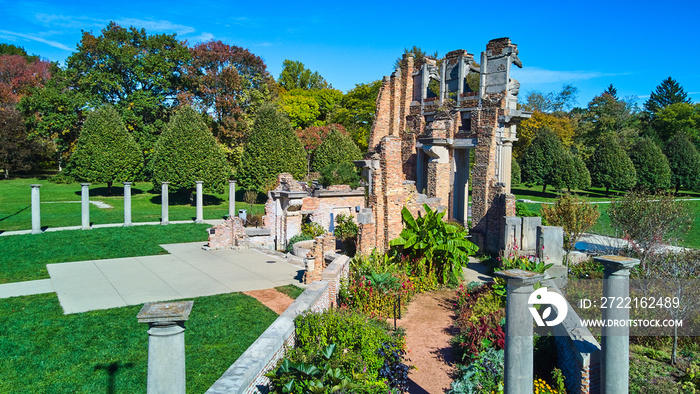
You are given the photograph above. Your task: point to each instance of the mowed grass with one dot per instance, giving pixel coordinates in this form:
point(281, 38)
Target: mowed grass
point(24, 257)
point(45, 351)
point(60, 204)
point(603, 226)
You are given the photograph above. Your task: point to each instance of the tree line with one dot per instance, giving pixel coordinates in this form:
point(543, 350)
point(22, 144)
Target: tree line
point(611, 143)
point(128, 105)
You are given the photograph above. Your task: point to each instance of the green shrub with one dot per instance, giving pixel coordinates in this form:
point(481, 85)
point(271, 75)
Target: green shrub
point(653, 171)
point(336, 148)
point(272, 148)
point(521, 210)
point(346, 231)
point(295, 239)
point(610, 166)
point(483, 375)
point(312, 229)
point(187, 152)
point(340, 174)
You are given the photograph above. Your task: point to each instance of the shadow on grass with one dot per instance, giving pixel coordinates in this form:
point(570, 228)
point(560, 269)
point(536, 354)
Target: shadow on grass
point(16, 213)
point(117, 191)
point(552, 194)
point(112, 369)
point(185, 198)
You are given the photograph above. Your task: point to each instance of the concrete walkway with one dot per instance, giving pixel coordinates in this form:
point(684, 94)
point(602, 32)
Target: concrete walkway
point(188, 271)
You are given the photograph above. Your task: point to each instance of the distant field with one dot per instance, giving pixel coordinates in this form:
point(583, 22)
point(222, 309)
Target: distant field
point(60, 204)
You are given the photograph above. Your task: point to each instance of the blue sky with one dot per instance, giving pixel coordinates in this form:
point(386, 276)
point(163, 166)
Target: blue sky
point(633, 45)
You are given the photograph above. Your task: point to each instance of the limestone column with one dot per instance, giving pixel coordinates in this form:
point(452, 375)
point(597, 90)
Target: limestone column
point(127, 204)
point(200, 203)
point(166, 345)
point(164, 203)
point(506, 162)
point(36, 209)
point(85, 203)
point(519, 370)
point(231, 198)
point(615, 340)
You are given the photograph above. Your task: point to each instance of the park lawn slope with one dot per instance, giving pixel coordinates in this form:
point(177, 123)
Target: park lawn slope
point(45, 351)
point(24, 257)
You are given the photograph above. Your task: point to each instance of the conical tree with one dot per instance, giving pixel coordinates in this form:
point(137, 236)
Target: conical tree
point(105, 151)
point(610, 166)
point(272, 148)
point(653, 172)
point(667, 93)
point(187, 152)
point(684, 161)
point(544, 162)
point(336, 148)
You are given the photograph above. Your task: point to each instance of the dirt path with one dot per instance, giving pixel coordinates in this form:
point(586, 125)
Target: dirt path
point(428, 324)
point(272, 299)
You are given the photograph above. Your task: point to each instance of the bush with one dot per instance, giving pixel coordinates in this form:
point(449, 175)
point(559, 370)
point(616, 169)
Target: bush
point(272, 148)
point(684, 161)
point(610, 166)
point(574, 215)
point(653, 171)
point(295, 239)
point(312, 229)
point(336, 148)
point(522, 210)
point(187, 152)
point(483, 375)
point(340, 174)
point(346, 231)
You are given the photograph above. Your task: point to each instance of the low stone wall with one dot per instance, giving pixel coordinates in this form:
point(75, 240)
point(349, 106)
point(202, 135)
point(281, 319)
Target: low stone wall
point(579, 353)
point(246, 375)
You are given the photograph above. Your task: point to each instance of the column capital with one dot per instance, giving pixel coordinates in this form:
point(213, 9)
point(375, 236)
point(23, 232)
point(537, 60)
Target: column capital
point(199, 182)
point(127, 183)
point(232, 181)
point(84, 184)
point(520, 278)
point(165, 313)
point(165, 183)
point(35, 185)
point(616, 265)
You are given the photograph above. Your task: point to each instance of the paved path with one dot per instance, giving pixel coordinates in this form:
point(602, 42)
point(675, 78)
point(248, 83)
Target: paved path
point(188, 271)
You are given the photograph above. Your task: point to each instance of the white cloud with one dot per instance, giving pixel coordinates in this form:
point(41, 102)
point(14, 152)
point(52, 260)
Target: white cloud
point(533, 75)
point(88, 23)
point(34, 37)
point(159, 26)
point(204, 37)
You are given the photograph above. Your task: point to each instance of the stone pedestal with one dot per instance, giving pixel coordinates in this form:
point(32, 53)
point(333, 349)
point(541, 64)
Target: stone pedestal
point(36, 209)
point(200, 203)
point(85, 204)
point(166, 345)
point(164, 203)
point(127, 204)
point(519, 370)
point(231, 198)
point(615, 340)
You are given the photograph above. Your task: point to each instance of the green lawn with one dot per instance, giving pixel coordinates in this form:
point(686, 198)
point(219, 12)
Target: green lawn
point(45, 351)
point(691, 240)
point(60, 205)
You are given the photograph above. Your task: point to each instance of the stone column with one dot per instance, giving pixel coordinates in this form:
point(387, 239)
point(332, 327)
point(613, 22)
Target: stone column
point(231, 198)
point(200, 203)
point(85, 203)
point(127, 204)
point(36, 209)
point(615, 340)
point(166, 345)
point(519, 370)
point(506, 162)
point(164, 203)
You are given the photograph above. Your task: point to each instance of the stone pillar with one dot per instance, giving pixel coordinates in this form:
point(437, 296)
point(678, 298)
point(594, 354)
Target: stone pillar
point(200, 203)
point(512, 230)
point(127, 204)
point(506, 159)
point(85, 203)
point(519, 369)
point(529, 235)
point(231, 198)
point(164, 203)
point(615, 340)
point(166, 345)
point(36, 209)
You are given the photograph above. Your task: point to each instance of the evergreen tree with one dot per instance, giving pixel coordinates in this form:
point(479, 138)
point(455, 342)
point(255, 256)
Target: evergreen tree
point(574, 174)
point(544, 162)
point(667, 93)
point(653, 171)
point(610, 166)
point(105, 151)
point(612, 91)
point(272, 148)
point(187, 152)
point(336, 148)
point(684, 161)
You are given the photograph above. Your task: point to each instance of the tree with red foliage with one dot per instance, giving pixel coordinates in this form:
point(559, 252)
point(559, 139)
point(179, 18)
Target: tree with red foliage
point(229, 82)
point(18, 75)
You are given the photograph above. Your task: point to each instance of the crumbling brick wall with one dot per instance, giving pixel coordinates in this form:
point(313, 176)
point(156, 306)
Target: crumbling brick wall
point(315, 259)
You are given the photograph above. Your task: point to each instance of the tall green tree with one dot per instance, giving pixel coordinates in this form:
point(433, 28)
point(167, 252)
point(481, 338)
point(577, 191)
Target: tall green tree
point(139, 74)
point(336, 148)
point(295, 75)
point(356, 111)
point(610, 166)
point(17, 150)
point(105, 151)
point(552, 102)
point(606, 114)
point(678, 118)
point(653, 171)
point(545, 161)
point(187, 152)
point(272, 148)
point(612, 91)
point(9, 49)
point(684, 161)
point(667, 93)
